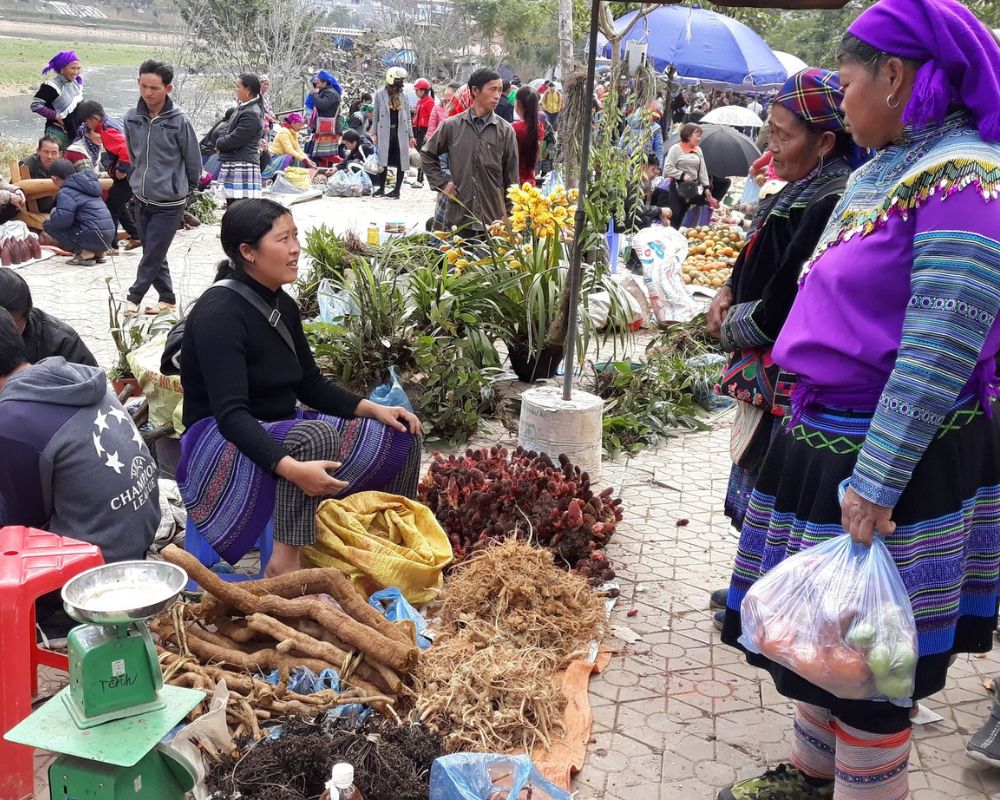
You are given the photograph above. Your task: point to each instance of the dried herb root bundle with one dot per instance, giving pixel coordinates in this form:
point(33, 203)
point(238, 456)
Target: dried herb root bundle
point(518, 589)
point(487, 694)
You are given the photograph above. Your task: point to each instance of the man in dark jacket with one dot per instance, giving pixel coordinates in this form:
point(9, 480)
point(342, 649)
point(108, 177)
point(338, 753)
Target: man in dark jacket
point(43, 335)
point(505, 108)
point(80, 220)
point(115, 161)
point(166, 166)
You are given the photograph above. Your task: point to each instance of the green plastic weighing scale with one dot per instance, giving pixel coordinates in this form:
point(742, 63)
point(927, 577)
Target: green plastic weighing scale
point(108, 723)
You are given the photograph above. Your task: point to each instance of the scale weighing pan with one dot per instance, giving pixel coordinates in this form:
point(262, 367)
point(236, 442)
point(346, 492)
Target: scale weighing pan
point(123, 592)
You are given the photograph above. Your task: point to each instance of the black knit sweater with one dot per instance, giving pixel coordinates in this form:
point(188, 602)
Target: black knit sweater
point(237, 368)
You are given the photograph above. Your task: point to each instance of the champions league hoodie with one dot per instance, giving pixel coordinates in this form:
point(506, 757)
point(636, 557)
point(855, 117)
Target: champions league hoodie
point(72, 461)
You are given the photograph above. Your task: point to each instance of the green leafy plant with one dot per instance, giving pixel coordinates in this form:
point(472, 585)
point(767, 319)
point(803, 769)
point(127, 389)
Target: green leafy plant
point(648, 401)
point(374, 335)
point(130, 333)
point(204, 209)
point(453, 392)
point(330, 256)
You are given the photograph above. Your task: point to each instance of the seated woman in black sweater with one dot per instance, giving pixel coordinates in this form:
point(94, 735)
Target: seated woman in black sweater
point(249, 451)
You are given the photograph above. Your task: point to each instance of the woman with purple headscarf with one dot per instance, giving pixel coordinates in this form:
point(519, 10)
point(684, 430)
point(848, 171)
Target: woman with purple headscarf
point(58, 98)
point(893, 338)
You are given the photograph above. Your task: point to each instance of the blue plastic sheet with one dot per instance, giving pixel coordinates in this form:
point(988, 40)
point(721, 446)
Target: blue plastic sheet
point(304, 681)
point(391, 394)
point(482, 776)
point(395, 607)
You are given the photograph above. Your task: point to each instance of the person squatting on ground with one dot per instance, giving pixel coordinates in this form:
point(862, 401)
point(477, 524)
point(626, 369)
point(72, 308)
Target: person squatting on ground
point(896, 363)
point(243, 380)
point(166, 167)
point(38, 164)
point(392, 130)
point(80, 221)
point(44, 335)
point(114, 160)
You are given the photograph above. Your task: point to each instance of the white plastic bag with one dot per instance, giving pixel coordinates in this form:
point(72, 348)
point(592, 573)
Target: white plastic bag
point(372, 165)
point(839, 615)
point(661, 251)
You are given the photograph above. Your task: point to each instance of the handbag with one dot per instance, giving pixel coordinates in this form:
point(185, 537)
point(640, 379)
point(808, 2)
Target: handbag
point(750, 376)
point(327, 126)
point(691, 192)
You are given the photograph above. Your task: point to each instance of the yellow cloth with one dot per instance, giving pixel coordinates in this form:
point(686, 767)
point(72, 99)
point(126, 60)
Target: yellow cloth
point(552, 101)
point(286, 143)
point(380, 540)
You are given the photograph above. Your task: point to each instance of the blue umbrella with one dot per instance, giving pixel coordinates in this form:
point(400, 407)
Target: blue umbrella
point(702, 45)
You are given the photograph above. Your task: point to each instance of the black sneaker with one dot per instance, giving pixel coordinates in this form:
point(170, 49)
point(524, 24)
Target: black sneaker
point(784, 782)
point(719, 619)
point(984, 745)
point(718, 599)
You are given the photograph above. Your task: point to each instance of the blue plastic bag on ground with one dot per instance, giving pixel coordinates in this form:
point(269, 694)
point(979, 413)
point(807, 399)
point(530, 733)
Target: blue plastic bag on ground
point(393, 606)
point(304, 681)
point(485, 776)
point(391, 394)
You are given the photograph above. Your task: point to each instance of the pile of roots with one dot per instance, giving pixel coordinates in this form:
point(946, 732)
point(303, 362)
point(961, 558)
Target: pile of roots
point(390, 762)
point(312, 618)
point(510, 620)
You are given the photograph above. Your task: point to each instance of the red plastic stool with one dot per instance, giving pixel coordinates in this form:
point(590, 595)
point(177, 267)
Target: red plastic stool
point(32, 563)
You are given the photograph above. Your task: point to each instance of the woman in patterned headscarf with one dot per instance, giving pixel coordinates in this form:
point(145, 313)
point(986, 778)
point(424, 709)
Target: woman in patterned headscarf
point(893, 338)
point(58, 97)
point(809, 152)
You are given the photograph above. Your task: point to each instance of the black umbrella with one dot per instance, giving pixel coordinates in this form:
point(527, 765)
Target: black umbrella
point(727, 152)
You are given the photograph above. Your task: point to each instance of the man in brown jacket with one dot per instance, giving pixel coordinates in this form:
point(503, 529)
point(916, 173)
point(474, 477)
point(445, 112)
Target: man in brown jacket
point(482, 157)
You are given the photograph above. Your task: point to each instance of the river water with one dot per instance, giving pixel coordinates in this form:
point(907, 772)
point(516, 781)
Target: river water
point(114, 87)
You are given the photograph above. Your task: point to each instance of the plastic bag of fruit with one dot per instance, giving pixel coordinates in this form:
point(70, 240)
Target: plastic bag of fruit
point(838, 615)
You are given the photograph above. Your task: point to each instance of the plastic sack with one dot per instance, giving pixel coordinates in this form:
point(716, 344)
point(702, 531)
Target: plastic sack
point(164, 392)
point(334, 304)
point(361, 177)
point(304, 681)
point(298, 177)
point(380, 540)
point(661, 252)
point(394, 607)
point(281, 185)
point(838, 615)
point(485, 776)
point(207, 734)
point(391, 394)
point(340, 185)
point(373, 166)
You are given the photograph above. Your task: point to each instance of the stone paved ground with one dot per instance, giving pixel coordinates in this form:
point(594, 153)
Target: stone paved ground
point(677, 716)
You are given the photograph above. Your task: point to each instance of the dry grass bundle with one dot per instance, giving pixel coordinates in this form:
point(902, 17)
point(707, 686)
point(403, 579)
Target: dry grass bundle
point(488, 694)
point(518, 588)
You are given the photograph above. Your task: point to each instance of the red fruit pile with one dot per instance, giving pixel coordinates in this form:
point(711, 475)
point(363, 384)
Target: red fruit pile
point(17, 249)
point(492, 494)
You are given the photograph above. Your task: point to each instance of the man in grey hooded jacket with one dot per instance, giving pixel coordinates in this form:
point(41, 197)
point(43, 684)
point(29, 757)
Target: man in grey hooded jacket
point(73, 461)
point(166, 166)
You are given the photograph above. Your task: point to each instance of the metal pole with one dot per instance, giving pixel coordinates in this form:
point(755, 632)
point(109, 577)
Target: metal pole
point(576, 258)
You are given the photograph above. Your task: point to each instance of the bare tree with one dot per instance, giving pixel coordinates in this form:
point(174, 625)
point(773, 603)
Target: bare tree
point(434, 32)
point(615, 36)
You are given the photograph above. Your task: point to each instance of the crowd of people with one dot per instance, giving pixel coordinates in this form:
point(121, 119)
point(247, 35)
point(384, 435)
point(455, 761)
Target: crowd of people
point(860, 319)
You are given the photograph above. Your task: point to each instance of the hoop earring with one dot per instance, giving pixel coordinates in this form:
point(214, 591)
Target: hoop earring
point(889, 101)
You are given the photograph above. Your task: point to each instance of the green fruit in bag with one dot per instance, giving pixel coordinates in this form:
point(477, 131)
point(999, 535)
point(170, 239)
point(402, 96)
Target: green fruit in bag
point(880, 661)
point(861, 636)
point(895, 686)
point(904, 660)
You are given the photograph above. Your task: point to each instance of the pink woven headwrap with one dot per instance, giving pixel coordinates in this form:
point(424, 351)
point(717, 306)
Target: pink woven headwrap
point(961, 59)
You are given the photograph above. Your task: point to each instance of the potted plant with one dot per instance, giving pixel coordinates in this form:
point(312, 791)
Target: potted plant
point(532, 247)
point(128, 334)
